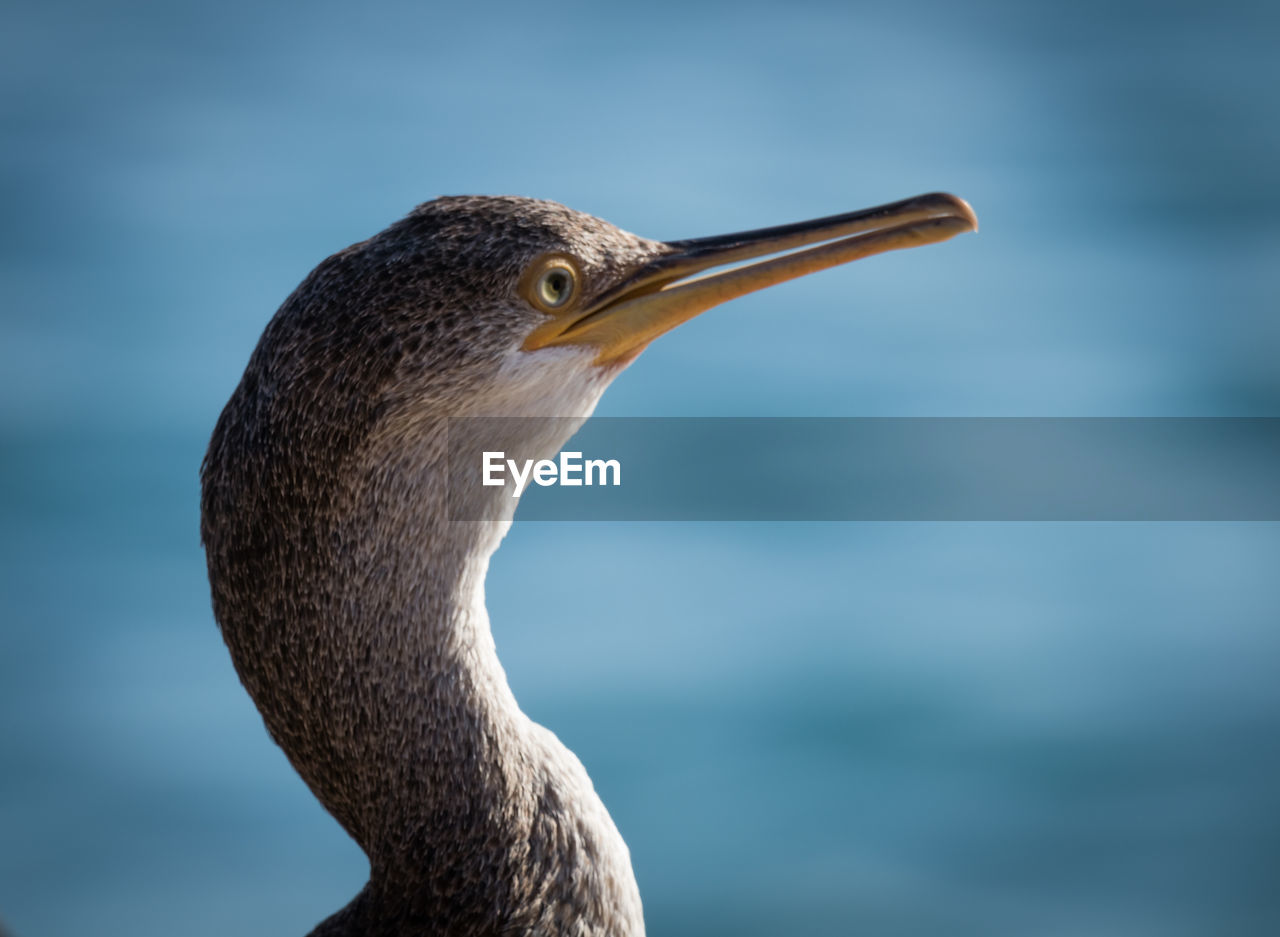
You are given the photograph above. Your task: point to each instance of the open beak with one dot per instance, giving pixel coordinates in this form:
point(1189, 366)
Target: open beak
point(667, 291)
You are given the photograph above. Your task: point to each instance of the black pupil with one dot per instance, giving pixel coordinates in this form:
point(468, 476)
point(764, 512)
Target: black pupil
point(558, 285)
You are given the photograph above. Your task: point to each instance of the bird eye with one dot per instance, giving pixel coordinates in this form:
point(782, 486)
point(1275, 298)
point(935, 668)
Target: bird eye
point(554, 285)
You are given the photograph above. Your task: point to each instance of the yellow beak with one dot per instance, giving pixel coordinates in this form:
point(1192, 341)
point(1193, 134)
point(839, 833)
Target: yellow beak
point(666, 292)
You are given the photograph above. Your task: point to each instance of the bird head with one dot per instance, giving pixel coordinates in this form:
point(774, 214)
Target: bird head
point(506, 306)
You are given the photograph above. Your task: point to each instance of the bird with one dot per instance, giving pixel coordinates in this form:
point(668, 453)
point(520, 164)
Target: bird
point(352, 604)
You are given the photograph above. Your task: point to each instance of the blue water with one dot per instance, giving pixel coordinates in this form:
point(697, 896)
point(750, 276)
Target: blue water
point(915, 729)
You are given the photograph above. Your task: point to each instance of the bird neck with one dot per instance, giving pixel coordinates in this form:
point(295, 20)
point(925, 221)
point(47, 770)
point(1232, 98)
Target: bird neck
point(357, 623)
point(418, 732)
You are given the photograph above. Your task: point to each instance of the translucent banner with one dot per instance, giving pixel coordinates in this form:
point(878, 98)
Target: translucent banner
point(871, 469)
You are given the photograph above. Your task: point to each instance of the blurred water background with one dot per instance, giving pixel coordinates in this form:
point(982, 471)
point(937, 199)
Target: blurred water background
point(911, 729)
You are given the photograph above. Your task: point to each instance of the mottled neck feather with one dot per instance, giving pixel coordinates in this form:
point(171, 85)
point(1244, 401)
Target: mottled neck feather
point(354, 613)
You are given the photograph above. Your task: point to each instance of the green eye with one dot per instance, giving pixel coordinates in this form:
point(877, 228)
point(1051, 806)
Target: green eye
point(552, 283)
point(556, 286)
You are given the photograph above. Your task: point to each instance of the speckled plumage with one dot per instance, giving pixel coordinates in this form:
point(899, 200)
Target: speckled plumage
point(354, 612)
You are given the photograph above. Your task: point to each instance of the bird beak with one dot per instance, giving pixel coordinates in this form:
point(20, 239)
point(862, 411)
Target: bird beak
point(668, 291)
